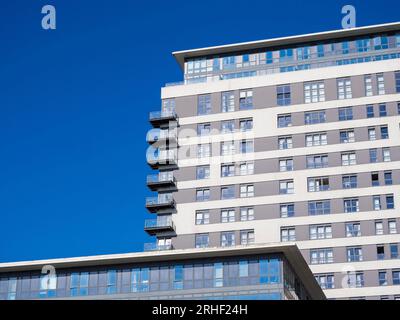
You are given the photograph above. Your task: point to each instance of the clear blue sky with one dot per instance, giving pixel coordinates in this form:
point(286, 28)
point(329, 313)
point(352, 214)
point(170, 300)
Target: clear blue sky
point(74, 105)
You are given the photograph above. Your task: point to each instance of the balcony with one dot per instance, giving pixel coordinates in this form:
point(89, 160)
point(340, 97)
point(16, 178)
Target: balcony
point(152, 246)
point(154, 226)
point(158, 118)
point(161, 180)
point(162, 158)
point(162, 202)
point(162, 135)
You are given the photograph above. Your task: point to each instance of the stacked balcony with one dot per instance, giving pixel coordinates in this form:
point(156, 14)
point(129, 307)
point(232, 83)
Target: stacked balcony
point(153, 246)
point(163, 159)
point(159, 118)
point(161, 224)
point(162, 135)
point(161, 203)
point(160, 181)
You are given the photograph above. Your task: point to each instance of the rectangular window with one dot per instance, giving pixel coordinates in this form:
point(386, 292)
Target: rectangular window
point(227, 239)
point(355, 279)
point(371, 134)
point(111, 281)
point(392, 226)
point(227, 148)
point(203, 129)
point(246, 99)
point(228, 101)
point(246, 124)
point(349, 181)
point(288, 234)
point(382, 110)
point(286, 165)
point(374, 179)
point(389, 201)
point(283, 95)
point(203, 172)
point(320, 232)
point(349, 159)
point(246, 237)
point(370, 111)
point(321, 256)
point(378, 228)
point(284, 121)
point(246, 190)
point(204, 150)
point(287, 210)
point(227, 215)
point(79, 284)
point(345, 113)
point(204, 104)
point(286, 187)
point(384, 132)
point(396, 278)
point(201, 240)
point(247, 214)
point(317, 161)
point(227, 126)
point(314, 92)
point(397, 80)
point(314, 117)
point(318, 184)
point(354, 254)
point(227, 170)
point(202, 194)
point(347, 136)
point(319, 207)
point(380, 82)
point(368, 85)
point(203, 217)
point(373, 155)
point(285, 143)
point(388, 178)
point(353, 229)
point(394, 251)
point(326, 281)
point(344, 88)
point(351, 205)
point(382, 278)
point(316, 139)
point(246, 168)
point(227, 192)
point(246, 146)
point(386, 154)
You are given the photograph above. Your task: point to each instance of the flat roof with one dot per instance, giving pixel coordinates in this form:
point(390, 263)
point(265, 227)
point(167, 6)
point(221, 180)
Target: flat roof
point(289, 249)
point(180, 56)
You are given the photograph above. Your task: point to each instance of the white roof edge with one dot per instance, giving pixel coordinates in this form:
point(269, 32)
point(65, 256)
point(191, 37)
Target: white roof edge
point(180, 55)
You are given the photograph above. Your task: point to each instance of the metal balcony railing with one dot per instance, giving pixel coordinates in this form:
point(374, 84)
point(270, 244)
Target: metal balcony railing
point(152, 246)
point(161, 135)
point(165, 223)
point(161, 200)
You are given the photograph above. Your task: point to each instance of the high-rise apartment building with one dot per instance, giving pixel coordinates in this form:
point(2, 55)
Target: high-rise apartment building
point(288, 139)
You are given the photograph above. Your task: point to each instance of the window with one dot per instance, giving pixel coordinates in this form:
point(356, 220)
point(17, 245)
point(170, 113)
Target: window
point(227, 239)
point(347, 136)
point(319, 207)
point(246, 190)
point(316, 139)
point(378, 227)
point(202, 172)
point(368, 85)
point(354, 254)
point(345, 113)
point(246, 146)
point(246, 124)
point(348, 159)
point(326, 281)
point(396, 279)
point(140, 280)
point(228, 192)
point(204, 104)
point(288, 234)
point(318, 184)
point(246, 237)
point(388, 178)
point(371, 134)
point(353, 229)
point(285, 55)
point(287, 210)
point(380, 252)
point(382, 278)
point(204, 150)
point(247, 214)
point(351, 205)
point(228, 101)
point(384, 132)
point(374, 179)
point(380, 82)
point(227, 126)
point(201, 240)
point(111, 281)
point(283, 95)
point(349, 182)
point(314, 92)
point(394, 251)
point(389, 201)
point(314, 117)
point(397, 79)
point(79, 284)
point(317, 161)
point(382, 110)
point(285, 143)
point(344, 88)
point(320, 232)
point(286, 165)
point(370, 111)
point(227, 148)
point(355, 279)
point(286, 187)
point(321, 256)
point(246, 168)
point(386, 154)
point(202, 194)
point(227, 215)
point(284, 120)
point(203, 217)
point(246, 99)
point(228, 63)
point(392, 226)
point(373, 155)
point(227, 170)
point(203, 129)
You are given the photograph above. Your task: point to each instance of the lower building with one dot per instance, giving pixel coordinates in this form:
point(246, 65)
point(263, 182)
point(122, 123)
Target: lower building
point(253, 272)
